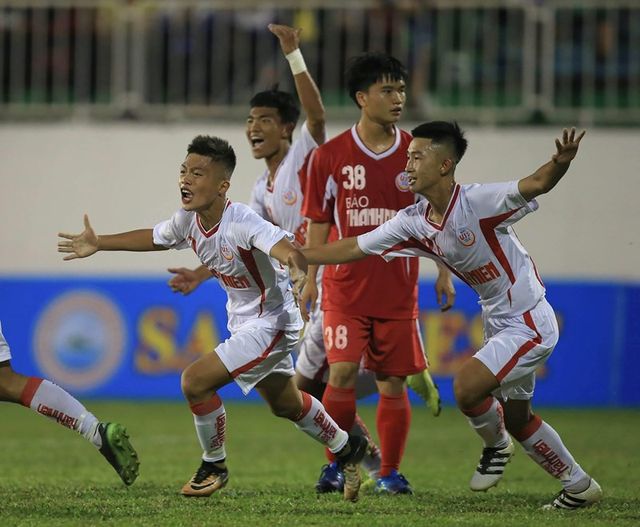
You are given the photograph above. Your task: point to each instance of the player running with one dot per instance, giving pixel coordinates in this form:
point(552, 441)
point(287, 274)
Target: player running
point(247, 254)
point(469, 228)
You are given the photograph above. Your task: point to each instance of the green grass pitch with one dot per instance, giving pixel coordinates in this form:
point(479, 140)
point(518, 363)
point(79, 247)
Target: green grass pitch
point(50, 476)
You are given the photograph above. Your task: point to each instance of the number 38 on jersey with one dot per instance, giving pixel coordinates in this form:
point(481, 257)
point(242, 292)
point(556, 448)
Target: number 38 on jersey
point(354, 177)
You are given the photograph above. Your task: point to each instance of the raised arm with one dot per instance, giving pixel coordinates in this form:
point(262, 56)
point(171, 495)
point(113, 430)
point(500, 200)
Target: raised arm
point(88, 242)
point(308, 92)
point(548, 175)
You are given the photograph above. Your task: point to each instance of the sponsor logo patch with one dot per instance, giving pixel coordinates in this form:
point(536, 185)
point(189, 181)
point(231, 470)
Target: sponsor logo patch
point(466, 237)
point(402, 182)
point(289, 196)
point(226, 251)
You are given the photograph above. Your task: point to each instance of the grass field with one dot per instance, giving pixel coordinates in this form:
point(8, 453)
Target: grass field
point(50, 476)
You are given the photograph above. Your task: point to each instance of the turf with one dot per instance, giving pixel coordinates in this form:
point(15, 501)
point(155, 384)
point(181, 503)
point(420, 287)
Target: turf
point(49, 476)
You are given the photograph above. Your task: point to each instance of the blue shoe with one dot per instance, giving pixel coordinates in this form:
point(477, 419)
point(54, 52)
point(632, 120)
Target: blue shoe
point(331, 479)
point(394, 483)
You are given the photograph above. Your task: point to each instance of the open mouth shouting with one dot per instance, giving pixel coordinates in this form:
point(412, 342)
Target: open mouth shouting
point(186, 195)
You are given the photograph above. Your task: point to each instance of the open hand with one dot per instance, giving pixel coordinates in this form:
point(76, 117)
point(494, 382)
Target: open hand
point(184, 280)
point(568, 147)
point(79, 245)
point(289, 37)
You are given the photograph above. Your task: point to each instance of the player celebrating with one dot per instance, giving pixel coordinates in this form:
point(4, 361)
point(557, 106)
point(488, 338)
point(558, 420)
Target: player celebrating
point(277, 197)
point(246, 254)
point(48, 399)
point(469, 228)
point(356, 182)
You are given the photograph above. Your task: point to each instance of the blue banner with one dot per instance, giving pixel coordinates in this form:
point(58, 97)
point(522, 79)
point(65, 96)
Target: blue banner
point(131, 338)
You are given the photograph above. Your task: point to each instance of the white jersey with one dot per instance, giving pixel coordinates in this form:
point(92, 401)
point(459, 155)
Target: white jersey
point(236, 251)
point(475, 240)
point(280, 201)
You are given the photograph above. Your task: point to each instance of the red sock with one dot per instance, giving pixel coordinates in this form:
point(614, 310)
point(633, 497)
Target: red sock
point(393, 420)
point(340, 403)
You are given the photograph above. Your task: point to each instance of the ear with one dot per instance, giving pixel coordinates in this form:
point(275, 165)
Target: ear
point(446, 167)
point(224, 186)
point(287, 131)
point(361, 97)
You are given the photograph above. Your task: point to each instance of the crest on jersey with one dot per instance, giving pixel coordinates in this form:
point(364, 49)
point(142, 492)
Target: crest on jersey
point(226, 251)
point(289, 196)
point(402, 182)
point(466, 237)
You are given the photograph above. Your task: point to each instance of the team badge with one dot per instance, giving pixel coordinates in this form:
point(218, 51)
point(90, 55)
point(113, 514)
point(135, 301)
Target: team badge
point(402, 182)
point(289, 196)
point(466, 237)
point(226, 251)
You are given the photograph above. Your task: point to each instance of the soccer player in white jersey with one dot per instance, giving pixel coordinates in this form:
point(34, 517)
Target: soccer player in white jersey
point(48, 399)
point(277, 197)
point(469, 228)
point(247, 254)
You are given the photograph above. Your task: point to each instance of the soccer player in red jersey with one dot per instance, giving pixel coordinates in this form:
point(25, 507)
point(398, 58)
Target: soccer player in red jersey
point(354, 183)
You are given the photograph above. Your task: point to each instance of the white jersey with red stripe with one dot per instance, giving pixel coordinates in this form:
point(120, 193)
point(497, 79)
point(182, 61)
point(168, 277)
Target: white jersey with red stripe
point(280, 201)
point(5, 352)
point(236, 251)
point(475, 240)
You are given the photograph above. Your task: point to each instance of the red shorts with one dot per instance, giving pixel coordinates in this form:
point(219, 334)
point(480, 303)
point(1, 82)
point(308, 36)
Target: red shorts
point(390, 347)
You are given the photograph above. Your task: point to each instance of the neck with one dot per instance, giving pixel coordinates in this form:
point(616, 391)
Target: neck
point(212, 216)
point(439, 197)
point(273, 161)
point(378, 137)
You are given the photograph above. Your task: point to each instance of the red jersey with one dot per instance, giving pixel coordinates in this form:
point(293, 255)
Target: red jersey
point(356, 190)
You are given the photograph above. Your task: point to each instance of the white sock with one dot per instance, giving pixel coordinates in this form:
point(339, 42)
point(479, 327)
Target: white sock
point(317, 423)
point(210, 420)
point(546, 448)
point(48, 399)
point(487, 420)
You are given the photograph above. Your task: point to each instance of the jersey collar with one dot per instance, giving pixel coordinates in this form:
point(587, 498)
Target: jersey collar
point(452, 202)
point(208, 233)
point(371, 153)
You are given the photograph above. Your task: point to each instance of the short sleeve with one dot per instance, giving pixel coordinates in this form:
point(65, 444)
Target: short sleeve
point(171, 233)
point(495, 199)
point(253, 231)
point(319, 196)
point(392, 238)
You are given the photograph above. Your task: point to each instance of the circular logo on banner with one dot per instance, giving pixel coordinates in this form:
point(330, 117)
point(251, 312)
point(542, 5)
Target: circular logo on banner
point(79, 340)
point(466, 237)
point(289, 196)
point(402, 182)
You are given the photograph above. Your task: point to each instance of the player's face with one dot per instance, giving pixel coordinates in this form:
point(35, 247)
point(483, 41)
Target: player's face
point(202, 181)
point(426, 165)
point(384, 101)
point(266, 132)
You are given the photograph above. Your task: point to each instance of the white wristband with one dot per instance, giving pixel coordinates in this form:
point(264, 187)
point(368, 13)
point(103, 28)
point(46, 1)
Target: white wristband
point(296, 61)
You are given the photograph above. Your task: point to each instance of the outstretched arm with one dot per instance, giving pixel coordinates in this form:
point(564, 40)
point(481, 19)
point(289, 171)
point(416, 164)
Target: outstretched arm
point(548, 175)
point(185, 280)
point(88, 242)
point(308, 92)
point(341, 251)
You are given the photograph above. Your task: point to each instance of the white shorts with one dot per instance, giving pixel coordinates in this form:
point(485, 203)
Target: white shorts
point(253, 353)
point(312, 360)
point(5, 352)
point(515, 347)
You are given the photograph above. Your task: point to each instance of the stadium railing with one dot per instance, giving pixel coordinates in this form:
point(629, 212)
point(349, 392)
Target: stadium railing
point(487, 61)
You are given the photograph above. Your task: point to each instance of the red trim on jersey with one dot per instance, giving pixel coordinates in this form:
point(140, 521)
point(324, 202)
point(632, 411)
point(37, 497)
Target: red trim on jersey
point(29, 390)
point(413, 243)
point(535, 270)
point(208, 233)
point(452, 202)
point(525, 348)
point(258, 360)
point(376, 155)
point(251, 265)
point(488, 228)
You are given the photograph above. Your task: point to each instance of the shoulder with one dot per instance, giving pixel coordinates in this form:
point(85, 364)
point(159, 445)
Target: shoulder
point(336, 144)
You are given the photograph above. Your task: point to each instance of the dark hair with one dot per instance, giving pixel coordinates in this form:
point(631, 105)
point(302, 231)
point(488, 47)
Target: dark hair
point(284, 102)
point(217, 149)
point(368, 68)
point(443, 132)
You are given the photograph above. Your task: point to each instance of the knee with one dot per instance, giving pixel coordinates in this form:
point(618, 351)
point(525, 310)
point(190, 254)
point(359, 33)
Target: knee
point(343, 375)
point(466, 398)
point(192, 385)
